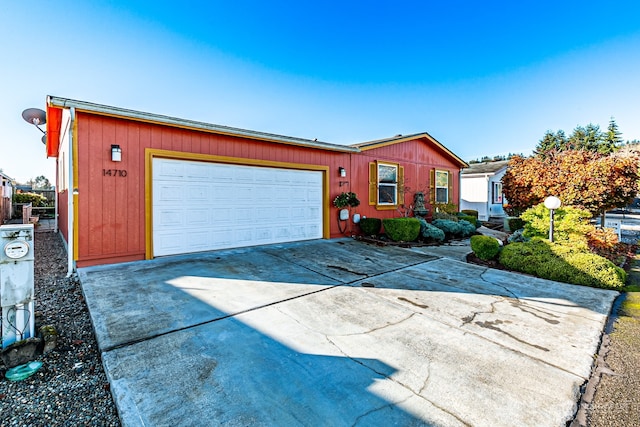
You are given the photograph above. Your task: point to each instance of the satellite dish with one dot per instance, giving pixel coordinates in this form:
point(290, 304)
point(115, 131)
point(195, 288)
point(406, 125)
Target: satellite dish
point(44, 139)
point(35, 116)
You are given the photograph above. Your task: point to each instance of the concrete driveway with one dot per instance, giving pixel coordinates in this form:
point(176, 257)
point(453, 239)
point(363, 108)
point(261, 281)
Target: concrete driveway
point(341, 333)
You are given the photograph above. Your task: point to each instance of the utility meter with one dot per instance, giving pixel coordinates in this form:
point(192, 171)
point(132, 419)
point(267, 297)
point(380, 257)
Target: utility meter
point(16, 249)
point(16, 282)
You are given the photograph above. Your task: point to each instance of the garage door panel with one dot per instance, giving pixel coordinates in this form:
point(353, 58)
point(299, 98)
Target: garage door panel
point(197, 217)
point(220, 175)
point(199, 241)
point(246, 216)
point(201, 206)
point(169, 169)
point(313, 213)
point(197, 193)
point(221, 239)
point(197, 172)
point(168, 242)
point(243, 193)
point(221, 215)
point(169, 193)
point(167, 217)
point(264, 176)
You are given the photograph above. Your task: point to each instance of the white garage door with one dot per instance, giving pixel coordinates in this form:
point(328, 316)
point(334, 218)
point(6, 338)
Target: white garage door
point(200, 206)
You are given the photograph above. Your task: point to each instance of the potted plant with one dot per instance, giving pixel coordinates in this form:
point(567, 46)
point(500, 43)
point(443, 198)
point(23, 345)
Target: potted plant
point(346, 200)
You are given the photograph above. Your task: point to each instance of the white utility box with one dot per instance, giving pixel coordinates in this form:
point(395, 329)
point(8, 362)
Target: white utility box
point(16, 282)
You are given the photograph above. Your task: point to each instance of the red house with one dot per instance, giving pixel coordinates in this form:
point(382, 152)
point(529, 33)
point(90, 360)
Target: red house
point(135, 185)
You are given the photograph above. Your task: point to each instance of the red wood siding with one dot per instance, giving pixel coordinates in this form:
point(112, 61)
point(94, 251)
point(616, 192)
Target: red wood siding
point(111, 209)
point(417, 157)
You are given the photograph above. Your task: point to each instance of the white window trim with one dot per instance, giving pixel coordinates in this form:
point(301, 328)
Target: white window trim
point(496, 193)
point(446, 187)
point(388, 184)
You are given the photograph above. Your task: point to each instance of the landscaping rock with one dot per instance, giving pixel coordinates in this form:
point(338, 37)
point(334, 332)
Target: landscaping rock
point(20, 352)
point(49, 336)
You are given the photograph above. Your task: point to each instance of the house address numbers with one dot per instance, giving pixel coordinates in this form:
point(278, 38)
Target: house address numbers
point(114, 172)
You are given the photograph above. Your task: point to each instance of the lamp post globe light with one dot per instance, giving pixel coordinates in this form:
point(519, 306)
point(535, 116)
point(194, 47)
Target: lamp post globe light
point(552, 203)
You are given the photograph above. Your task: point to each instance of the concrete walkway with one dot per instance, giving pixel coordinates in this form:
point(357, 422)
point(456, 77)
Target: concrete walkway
point(340, 333)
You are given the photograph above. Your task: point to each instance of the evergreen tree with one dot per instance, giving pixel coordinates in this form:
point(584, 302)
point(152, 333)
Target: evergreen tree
point(587, 138)
point(551, 142)
point(612, 138)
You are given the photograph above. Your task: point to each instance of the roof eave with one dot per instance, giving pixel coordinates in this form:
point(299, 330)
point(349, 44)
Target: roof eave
point(404, 138)
point(110, 111)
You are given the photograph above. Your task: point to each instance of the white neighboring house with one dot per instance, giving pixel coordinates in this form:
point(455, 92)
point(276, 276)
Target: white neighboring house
point(6, 195)
point(481, 189)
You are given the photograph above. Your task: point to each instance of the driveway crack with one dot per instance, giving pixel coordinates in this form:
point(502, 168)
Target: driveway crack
point(468, 319)
point(508, 291)
point(374, 410)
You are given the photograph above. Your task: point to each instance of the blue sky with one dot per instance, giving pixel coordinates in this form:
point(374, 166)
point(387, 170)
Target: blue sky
point(484, 78)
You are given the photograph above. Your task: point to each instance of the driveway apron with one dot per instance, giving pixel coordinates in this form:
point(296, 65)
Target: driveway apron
point(340, 333)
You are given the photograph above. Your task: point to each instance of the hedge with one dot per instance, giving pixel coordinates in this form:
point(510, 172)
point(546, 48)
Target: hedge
point(562, 263)
point(370, 226)
point(401, 229)
point(485, 247)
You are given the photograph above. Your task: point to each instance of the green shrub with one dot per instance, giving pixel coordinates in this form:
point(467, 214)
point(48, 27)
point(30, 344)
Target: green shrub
point(450, 228)
point(470, 212)
point(568, 222)
point(430, 232)
point(562, 263)
point(370, 226)
point(515, 223)
point(401, 229)
point(33, 198)
point(485, 247)
point(466, 228)
point(469, 218)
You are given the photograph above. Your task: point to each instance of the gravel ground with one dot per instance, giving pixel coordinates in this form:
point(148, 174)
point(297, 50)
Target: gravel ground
point(71, 388)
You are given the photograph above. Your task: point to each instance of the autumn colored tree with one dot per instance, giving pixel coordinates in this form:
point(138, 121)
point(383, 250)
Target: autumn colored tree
point(585, 179)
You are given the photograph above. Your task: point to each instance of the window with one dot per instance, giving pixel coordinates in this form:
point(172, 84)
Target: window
point(387, 184)
point(442, 187)
point(497, 193)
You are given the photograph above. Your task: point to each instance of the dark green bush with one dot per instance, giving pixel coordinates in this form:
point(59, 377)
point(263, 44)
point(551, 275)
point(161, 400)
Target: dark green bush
point(401, 229)
point(370, 226)
point(470, 212)
point(33, 198)
point(515, 224)
point(562, 263)
point(450, 228)
point(430, 232)
point(485, 247)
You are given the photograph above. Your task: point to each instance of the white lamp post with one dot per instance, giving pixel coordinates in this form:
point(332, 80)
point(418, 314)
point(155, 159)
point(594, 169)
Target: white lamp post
point(552, 203)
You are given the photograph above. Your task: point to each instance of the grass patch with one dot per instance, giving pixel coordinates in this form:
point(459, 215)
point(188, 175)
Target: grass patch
point(631, 305)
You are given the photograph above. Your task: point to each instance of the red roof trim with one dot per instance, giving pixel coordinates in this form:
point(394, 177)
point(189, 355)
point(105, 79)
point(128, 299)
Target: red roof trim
point(54, 124)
